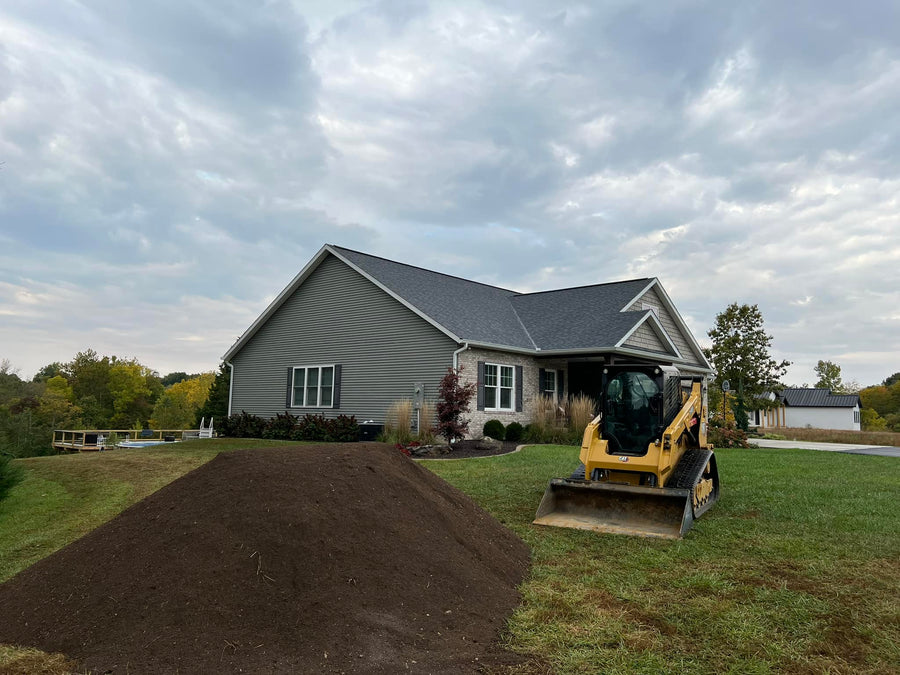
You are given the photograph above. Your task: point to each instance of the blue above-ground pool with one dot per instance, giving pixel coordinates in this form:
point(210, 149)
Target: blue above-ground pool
point(142, 444)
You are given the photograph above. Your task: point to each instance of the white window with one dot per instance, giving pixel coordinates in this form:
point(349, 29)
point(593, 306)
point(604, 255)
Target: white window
point(548, 383)
point(856, 416)
point(313, 387)
point(498, 387)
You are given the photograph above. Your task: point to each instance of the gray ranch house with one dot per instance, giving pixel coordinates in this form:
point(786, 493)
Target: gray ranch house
point(353, 333)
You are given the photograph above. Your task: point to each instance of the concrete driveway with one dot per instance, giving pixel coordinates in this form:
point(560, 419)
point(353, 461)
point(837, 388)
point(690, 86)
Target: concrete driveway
point(884, 451)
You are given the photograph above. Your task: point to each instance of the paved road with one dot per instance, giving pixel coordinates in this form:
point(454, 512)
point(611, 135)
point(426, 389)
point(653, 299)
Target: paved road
point(884, 451)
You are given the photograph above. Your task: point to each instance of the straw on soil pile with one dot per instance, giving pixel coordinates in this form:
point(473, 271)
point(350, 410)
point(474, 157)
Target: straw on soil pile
point(339, 558)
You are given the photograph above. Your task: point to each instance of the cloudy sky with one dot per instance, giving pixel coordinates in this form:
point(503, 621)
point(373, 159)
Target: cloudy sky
point(169, 166)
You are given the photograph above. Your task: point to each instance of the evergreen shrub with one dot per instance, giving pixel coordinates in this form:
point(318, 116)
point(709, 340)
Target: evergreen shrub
point(514, 431)
point(494, 429)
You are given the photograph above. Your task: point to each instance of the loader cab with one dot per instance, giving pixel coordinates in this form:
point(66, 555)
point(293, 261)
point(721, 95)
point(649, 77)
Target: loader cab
point(635, 406)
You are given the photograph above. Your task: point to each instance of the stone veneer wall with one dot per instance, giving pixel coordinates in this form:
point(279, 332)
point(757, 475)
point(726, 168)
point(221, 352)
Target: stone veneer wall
point(468, 361)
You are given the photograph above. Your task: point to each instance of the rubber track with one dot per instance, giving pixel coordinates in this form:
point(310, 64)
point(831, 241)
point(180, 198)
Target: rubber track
point(688, 473)
point(689, 468)
point(578, 474)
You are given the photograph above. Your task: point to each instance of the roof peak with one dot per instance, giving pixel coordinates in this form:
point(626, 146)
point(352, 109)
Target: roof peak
point(575, 288)
point(481, 283)
point(423, 269)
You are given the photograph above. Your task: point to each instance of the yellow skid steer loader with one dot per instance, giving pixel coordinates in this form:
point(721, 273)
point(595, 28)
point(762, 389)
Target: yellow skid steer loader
point(645, 468)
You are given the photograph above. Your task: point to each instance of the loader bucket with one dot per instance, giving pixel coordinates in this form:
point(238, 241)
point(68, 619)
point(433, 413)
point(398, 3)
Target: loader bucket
point(616, 509)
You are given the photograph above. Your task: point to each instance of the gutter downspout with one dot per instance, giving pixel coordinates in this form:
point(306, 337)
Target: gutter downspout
point(465, 347)
point(230, 385)
point(456, 354)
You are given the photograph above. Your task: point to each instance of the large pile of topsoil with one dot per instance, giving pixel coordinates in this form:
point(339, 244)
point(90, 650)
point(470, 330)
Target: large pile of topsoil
point(338, 558)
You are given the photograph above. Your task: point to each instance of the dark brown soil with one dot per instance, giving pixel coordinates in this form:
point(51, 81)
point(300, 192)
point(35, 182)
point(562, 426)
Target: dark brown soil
point(339, 558)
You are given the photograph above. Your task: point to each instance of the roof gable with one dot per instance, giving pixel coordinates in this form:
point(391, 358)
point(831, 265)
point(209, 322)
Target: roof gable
point(578, 318)
point(654, 294)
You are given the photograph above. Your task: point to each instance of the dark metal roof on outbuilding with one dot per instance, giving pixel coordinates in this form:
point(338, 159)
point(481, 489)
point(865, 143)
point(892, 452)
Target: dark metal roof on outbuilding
point(797, 397)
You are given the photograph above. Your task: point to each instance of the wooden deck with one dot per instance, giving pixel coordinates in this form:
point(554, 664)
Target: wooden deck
point(95, 440)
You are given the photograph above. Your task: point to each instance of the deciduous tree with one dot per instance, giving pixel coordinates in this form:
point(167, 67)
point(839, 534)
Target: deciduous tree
point(177, 407)
point(134, 389)
point(740, 352)
point(48, 371)
point(88, 373)
point(829, 374)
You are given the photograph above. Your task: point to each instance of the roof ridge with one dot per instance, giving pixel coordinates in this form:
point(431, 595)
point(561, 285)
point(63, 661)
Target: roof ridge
point(575, 288)
point(522, 323)
point(424, 269)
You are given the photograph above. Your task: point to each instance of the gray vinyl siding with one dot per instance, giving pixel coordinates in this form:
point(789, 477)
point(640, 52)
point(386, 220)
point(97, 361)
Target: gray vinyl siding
point(651, 299)
point(646, 338)
point(338, 316)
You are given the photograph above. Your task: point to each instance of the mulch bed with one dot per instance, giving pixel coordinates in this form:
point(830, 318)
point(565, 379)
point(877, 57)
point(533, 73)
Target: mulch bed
point(470, 448)
point(338, 558)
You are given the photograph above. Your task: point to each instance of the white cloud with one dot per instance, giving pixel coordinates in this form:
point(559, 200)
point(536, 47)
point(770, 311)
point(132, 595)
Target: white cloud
point(173, 165)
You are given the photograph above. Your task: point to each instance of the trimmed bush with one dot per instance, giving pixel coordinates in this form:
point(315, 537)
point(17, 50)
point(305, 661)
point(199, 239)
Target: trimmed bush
point(514, 431)
point(280, 427)
point(729, 436)
point(342, 429)
point(243, 425)
point(311, 428)
point(494, 429)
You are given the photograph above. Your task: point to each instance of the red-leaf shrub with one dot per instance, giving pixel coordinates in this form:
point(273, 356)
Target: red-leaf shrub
point(453, 404)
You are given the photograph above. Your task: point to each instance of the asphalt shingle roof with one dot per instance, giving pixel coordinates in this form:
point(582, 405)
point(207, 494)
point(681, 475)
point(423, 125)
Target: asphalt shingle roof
point(468, 309)
point(580, 318)
point(588, 317)
point(817, 398)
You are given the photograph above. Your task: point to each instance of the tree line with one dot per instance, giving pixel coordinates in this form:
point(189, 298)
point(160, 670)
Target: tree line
point(101, 392)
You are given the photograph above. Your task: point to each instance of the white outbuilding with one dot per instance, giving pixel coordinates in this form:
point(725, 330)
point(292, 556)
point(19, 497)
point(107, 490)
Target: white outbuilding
point(812, 408)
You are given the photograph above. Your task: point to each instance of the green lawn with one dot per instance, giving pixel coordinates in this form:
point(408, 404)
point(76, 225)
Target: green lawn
point(797, 569)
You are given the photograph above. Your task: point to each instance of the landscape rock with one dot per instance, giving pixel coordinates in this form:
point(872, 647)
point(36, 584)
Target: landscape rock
point(430, 450)
point(488, 443)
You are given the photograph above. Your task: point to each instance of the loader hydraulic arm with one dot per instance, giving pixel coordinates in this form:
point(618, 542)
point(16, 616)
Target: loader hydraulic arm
point(687, 420)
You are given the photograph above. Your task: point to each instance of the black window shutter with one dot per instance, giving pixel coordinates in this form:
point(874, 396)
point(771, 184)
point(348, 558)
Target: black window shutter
point(519, 388)
point(336, 392)
point(290, 387)
point(479, 397)
point(541, 375)
point(560, 383)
